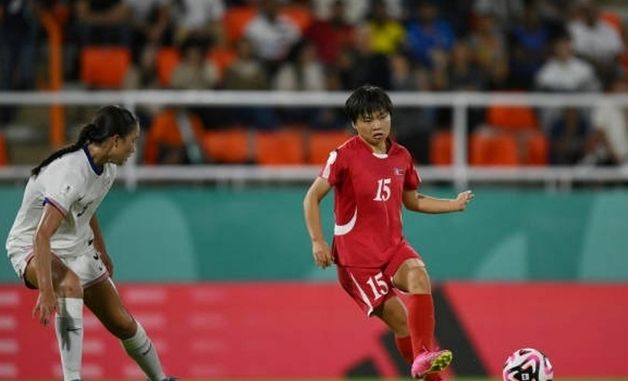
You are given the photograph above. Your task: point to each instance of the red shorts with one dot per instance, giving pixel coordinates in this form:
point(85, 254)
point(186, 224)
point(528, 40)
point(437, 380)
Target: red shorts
point(371, 286)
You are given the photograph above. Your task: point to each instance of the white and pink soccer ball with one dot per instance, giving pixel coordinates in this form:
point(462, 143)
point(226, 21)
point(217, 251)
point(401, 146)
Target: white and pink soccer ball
point(528, 364)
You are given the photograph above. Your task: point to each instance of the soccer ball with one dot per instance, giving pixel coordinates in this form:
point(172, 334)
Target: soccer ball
point(528, 364)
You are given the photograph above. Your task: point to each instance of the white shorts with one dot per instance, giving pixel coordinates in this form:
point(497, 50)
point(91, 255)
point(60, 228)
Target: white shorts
point(87, 266)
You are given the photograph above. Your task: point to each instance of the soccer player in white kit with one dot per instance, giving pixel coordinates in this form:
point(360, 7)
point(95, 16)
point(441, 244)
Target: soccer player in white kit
point(55, 244)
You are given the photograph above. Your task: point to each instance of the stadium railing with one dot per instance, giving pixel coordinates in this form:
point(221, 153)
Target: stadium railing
point(459, 174)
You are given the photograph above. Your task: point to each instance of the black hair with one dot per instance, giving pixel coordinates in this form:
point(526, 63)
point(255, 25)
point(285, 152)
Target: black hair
point(367, 100)
point(109, 121)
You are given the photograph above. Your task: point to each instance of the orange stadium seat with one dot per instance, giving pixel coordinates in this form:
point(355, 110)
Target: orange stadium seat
point(321, 143)
point(537, 149)
point(222, 58)
point(227, 145)
point(164, 130)
point(284, 147)
point(104, 67)
point(441, 146)
point(493, 150)
point(237, 18)
point(235, 21)
point(4, 155)
point(167, 60)
point(511, 117)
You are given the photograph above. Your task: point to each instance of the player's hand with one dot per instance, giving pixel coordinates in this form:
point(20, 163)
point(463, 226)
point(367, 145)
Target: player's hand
point(46, 307)
point(463, 199)
point(322, 254)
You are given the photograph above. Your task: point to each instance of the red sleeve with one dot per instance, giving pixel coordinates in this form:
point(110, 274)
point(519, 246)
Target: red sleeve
point(412, 179)
point(335, 168)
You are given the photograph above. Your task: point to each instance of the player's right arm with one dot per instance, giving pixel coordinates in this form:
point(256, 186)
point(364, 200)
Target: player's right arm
point(311, 206)
point(48, 225)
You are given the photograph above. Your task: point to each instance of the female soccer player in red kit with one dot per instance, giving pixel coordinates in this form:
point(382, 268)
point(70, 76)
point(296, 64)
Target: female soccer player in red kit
point(373, 176)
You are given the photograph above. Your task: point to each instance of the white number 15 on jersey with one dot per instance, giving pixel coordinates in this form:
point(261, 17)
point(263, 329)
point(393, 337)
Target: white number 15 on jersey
point(383, 190)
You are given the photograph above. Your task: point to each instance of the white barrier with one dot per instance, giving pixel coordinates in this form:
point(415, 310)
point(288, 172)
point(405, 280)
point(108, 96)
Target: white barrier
point(460, 173)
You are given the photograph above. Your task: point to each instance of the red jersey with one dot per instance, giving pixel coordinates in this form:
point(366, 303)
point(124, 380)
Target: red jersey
point(368, 189)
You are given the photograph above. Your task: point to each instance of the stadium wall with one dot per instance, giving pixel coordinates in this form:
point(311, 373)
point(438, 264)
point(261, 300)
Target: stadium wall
point(222, 277)
point(216, 234)
point(296, 330)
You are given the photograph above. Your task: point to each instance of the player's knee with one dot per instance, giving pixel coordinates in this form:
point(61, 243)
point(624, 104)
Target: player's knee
point(418, 281)
point(70, 286)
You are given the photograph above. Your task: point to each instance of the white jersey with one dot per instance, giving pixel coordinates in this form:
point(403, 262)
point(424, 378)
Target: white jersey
point(75, 186)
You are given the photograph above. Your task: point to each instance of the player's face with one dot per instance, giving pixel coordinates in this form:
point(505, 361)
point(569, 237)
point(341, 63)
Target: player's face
point(374, 128)
point(124, 146)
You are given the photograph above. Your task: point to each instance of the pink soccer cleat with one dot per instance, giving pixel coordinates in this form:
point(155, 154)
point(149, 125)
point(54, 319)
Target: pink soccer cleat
point(429, 362)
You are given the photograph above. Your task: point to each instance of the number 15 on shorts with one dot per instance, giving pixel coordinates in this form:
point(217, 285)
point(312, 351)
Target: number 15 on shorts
point(378, 285)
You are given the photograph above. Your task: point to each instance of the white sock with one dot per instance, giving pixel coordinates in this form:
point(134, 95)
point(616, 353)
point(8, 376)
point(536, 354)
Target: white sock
point(142, 350)
point(69, 329)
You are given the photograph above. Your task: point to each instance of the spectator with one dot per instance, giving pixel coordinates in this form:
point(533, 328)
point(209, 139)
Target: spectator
point(305, 73)
point(463, 73)
point(332, 35)
point(387, 34)
point(355, 11)
point(403, 76)
point(331, 118)
point(245, 72)
point(272, 35)
point(18, 48)
point(428, 33)
point(103, 22)
point(609, 143)
point(194, 71)
point(552, 12)
point(18, 44)
point(529, 40)
point(504, 11)
point(412, 124)
point(143, 75)
point(458, 13)
point(199, 19)
point(566, 72)
point(360, 65)
point(568, 137)
point(152, 23)
point(489, 46)
point(596, 40)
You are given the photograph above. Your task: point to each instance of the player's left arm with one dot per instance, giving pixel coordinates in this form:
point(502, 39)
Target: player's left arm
point(418, 202)
point(99, 244)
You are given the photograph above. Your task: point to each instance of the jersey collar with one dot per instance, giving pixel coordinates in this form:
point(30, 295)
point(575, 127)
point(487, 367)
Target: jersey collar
point(391, 148)
point(98, 169)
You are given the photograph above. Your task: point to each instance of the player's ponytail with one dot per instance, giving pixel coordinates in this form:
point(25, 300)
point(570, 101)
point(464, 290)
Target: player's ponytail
point(109, 121)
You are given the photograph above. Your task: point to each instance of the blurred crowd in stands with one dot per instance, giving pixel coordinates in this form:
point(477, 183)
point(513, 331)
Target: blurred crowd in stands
point(332, 45)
